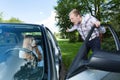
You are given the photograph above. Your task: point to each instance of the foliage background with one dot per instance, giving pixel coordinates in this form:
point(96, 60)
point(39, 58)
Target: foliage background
point(107, 11)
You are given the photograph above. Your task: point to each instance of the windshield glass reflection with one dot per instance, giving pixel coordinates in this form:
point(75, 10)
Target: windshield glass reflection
point(21, 54)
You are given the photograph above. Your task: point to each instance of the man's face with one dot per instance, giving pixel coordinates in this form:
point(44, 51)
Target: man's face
point(74, 19)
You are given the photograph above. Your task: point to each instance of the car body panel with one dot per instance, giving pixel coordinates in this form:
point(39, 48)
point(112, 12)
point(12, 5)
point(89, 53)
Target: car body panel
point(90, 74)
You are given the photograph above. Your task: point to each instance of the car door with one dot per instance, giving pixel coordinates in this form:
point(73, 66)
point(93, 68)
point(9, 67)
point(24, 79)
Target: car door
point(102, 64)
point(55, 51)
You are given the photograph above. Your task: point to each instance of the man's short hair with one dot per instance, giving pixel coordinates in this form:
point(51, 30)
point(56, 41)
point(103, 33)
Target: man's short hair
point(75, 11)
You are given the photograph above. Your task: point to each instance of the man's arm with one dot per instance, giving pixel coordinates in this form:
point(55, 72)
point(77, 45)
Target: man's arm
point(97, 24)
point(72, 29)
point(95, 21)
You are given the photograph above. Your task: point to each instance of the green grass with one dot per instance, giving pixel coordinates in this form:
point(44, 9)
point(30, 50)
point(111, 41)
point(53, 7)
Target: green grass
point(69, 51)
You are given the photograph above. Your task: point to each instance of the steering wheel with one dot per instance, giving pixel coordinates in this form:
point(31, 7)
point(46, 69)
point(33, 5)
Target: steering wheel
point(30, 70)
point(32, 61)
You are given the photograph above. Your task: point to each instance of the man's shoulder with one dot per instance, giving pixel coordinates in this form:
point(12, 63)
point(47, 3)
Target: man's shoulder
point(86, 16)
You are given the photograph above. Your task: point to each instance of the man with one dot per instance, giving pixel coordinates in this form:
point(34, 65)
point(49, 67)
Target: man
point(84, 24)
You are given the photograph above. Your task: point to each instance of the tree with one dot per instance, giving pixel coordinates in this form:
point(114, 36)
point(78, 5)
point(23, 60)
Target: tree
point(114, 13)
point(11, 20)
point(14, 20)
point(65, 6)
point(107, 11)
point(62, 9)
point(1, 16)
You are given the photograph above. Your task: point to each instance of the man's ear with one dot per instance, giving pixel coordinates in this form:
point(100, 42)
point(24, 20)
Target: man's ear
point(78, 16)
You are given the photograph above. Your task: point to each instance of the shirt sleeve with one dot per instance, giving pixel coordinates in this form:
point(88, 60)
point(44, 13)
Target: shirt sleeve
point(72, 29)
point(101, 29)
point(90, 20)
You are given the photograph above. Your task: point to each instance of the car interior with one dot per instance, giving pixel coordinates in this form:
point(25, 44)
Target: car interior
point(34, 68)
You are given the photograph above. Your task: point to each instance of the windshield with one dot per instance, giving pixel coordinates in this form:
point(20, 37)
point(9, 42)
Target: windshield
point(21, 52)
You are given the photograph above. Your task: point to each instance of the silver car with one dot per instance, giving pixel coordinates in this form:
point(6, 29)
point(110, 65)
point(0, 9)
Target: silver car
point(31, 52)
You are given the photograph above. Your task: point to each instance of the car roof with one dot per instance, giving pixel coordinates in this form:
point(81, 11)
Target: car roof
point(20, 27)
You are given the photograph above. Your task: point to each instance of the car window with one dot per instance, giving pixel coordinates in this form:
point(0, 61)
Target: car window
point(107, 41)
point(33, 41)
point(8, 38)
point(21, 52)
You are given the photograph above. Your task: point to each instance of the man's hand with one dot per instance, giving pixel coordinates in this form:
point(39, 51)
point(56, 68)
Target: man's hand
point(67, 30)
point(97, 24)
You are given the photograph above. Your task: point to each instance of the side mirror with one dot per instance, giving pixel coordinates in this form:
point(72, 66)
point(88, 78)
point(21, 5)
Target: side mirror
point(107, 61)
